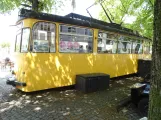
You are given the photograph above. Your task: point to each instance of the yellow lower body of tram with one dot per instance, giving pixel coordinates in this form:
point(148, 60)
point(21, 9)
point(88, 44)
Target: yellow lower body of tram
point(43, 71)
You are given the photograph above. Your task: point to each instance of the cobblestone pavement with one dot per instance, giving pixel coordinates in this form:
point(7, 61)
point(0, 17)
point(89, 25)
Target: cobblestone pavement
point(64, 103)
point(131, 112)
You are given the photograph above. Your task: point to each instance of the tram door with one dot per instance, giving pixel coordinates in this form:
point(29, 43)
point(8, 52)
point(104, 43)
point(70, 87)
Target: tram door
point(21, 48)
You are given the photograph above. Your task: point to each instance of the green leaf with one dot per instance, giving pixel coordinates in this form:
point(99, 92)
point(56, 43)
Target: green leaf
point(141, 9)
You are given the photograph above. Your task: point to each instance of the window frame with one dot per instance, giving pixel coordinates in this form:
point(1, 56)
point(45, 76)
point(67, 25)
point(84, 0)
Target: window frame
point(146, 46)
point(137, 43)
point(20, 41)
point(20, 26)
point(28, 40)
point(31, 41)
point(114, 40)
point(126, 42)
point(132, 39)
point(72, 34)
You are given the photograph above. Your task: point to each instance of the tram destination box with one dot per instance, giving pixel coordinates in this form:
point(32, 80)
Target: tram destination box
point(93, 82)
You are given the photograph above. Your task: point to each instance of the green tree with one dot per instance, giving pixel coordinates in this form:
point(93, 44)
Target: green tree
point(44, 5)
point(140, 10)
point(155, 92)
point(148, 22)
point(5, 45)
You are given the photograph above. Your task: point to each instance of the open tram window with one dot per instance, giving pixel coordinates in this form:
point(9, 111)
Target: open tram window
point(25, 39)
point(137, 47)
point(106, 43)
point(18, 42)
point(18, 37)
point(146, 47)
point(75, 39)
point(44, 37)
point(124, 45)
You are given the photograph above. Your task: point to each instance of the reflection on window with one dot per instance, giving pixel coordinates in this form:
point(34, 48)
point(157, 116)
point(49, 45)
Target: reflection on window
point(71, 29)
point(52, 42)
point(75, 39)
point(146, 47)
point(25, 39)
point(124, 45)
point(44, 37)
point(106, 43)
point(41, 46)
point(137, 47)
point(18, 41)
point(107, 35)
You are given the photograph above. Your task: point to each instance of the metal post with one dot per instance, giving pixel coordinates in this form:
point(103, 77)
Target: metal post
point(106, 12)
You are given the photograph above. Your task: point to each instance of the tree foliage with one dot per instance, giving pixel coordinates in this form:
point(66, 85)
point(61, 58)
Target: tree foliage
point(140, 10)
point(45, 5)
point(5, 45)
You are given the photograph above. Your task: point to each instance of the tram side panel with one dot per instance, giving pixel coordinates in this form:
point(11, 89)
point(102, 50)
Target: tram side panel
point(116, 64)
point(53, 70)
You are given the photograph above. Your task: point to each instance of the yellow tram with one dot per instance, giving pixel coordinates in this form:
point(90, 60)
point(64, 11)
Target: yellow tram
point(51, 50)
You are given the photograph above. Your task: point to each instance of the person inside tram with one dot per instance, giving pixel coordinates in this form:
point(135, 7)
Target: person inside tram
point(88, 49)
point(81, 49)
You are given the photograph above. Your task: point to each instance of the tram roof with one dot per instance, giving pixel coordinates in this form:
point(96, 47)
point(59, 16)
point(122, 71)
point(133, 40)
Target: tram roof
point(80, 20)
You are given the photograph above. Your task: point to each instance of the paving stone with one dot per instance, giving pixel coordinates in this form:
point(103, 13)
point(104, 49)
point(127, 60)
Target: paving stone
point(65, 104)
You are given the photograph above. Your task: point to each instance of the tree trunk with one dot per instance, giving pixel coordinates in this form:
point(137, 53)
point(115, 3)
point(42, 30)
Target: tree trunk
point(35, 5)
point(155, 91)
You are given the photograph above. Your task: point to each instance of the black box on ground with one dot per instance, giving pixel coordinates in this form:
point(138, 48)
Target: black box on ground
point(92, 82)
point(144, 68)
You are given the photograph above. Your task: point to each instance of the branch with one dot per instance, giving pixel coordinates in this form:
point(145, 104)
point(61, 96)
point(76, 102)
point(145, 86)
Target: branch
point(30, 1)
point(123, 6)
point(151, 3)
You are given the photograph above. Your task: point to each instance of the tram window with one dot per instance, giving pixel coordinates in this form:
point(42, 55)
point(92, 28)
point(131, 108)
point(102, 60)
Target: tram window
point(18, 41)
point(25, 39)
point(146, 47)
point(106, 43)
point(44, 37)
point(19, 26)
point(52, 42)
point(80, 31)
point(137, 47)
point(124, 45)
point(71, 29)
point(79, 41)
point(88, 32)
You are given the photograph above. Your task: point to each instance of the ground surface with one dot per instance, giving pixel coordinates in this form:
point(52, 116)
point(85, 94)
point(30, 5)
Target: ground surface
point(66, 104)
